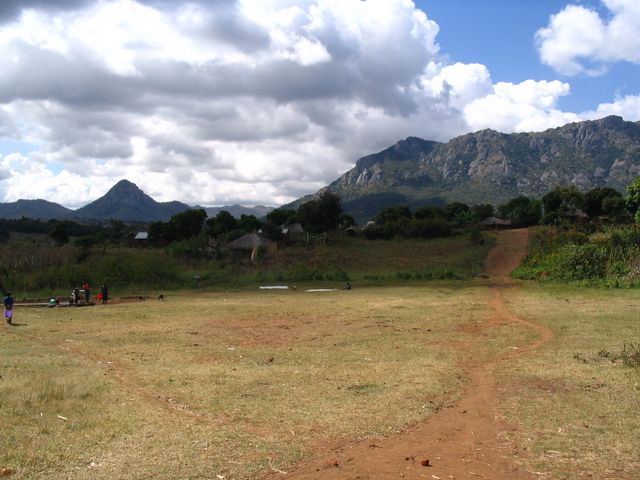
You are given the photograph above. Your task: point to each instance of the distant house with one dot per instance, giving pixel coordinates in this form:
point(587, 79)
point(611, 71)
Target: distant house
point(494, 222)
point(293, 229)
point(141, 240)
point(292, 233)
point(252, 242)
point(576, 216)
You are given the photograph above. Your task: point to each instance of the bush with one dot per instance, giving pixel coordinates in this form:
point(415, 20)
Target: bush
point(580, 262)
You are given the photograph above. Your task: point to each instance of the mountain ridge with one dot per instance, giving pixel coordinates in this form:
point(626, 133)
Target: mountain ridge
point(491, 167)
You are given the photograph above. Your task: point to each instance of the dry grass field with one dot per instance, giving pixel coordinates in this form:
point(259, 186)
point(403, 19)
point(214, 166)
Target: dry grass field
point(576, 400)
point(229, 384)
point(253, 384)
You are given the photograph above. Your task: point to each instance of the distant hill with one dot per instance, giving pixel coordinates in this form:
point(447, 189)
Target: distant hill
point(238, 210)
point(36, 209)
point(491, 167)
point(125, 201)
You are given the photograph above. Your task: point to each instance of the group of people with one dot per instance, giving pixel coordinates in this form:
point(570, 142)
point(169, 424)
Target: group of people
point(103, 296)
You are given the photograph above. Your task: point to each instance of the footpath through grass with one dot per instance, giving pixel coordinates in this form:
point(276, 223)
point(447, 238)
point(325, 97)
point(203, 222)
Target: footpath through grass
point(577, 399)
point(230, 384)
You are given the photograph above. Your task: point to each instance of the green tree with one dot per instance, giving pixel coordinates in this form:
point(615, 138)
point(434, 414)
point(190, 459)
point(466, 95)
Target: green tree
point(633, 199)
point(560, 201)
point(321, 215)
point(458, 212)
point(59, 233)
point(4, 234)
point(430, 212)
point(272, 231)
point(392, 214)
point(280, 216)
point(249, 223)
point(157, 232)
point(595, 198)
point(522, 211)
point(222, 223)
point(185, 225)
point(482, 211)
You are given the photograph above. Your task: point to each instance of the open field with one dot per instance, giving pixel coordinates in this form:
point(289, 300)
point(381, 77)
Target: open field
point(224, 384)
point(481, 377)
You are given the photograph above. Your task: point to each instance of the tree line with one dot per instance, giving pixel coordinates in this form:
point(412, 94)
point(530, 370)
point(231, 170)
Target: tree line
point(325, 214)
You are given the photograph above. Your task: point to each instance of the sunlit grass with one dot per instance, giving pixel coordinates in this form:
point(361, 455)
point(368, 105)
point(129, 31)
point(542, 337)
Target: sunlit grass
point(579, 409)
point(223, 384)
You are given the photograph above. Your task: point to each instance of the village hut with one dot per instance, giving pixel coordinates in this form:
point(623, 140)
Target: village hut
point(494, 222)
point(292, 233)
point(252, 242)
point(576, 216)
point(294, 229)
point(141, 240)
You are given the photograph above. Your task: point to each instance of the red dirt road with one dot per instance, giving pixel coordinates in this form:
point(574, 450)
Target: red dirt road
point(467, 440)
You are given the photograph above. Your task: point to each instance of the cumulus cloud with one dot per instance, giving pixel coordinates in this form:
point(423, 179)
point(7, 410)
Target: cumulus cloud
point(578, 40)
point(233, 101)
point(527, 106)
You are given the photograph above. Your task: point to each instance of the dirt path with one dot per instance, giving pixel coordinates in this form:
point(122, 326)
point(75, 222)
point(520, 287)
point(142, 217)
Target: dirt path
point(467, 440)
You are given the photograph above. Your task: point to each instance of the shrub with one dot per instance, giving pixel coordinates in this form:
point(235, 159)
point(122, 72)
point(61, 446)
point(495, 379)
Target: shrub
point(580, 262)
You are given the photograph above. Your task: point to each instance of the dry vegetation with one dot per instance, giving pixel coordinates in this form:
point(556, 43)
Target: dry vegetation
point(222, 384)
point(576, 400)
point(240, 385)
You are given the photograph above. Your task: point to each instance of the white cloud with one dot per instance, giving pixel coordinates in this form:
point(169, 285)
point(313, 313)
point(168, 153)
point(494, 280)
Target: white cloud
point(235, 101)
point(527, 106)
point(627, 107)
point(580, 41)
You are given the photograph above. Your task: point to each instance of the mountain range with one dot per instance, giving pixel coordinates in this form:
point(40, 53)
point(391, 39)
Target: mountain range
point(481, 167)
point(491, 167)
point(124, 201)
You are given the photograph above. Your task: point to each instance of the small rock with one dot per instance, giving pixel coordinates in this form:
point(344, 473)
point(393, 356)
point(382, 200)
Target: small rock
point(425, 463)
point(333, 463)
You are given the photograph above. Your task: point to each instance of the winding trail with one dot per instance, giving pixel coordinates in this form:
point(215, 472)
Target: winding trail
point(467, 440)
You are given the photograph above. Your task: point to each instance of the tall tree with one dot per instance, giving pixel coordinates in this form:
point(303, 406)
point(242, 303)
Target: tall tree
point(633, 200)
point(222, 223)
point(560, 201)
point(321, 215)
point(186, 224)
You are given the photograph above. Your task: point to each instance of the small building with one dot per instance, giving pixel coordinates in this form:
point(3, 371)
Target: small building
point(292, 233)
point(141, 240)
point(576, 216)
point(494, 222)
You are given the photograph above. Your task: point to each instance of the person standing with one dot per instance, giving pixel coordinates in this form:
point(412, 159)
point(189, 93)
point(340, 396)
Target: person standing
point(105, 293)
point(87, 291)
point(8, 308)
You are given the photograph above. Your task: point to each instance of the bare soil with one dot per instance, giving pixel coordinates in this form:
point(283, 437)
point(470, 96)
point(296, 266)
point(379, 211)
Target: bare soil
point(465, 440)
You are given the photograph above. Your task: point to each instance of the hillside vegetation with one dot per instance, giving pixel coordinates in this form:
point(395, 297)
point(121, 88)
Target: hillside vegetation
point(35, 268)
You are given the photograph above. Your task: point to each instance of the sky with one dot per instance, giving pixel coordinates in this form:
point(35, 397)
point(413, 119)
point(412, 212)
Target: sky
point(259, 102)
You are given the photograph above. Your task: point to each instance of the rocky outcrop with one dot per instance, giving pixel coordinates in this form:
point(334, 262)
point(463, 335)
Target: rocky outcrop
point(492, 167)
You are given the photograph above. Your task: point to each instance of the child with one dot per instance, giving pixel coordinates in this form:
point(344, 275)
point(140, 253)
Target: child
point(8, 308)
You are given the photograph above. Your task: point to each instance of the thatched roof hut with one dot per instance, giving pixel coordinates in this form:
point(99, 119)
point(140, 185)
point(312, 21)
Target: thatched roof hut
point(251, 242)
point(294, 229)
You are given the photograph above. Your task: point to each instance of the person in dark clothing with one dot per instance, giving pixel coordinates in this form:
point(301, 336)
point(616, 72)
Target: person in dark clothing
point(8, 308)
point(87, 291)
point(105, 293)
